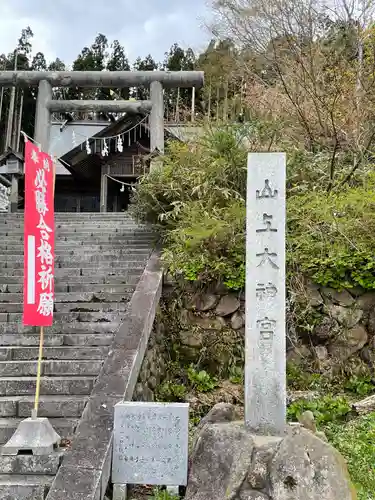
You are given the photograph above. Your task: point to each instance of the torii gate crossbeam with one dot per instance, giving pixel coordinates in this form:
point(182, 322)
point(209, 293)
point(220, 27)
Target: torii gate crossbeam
point(45, 105)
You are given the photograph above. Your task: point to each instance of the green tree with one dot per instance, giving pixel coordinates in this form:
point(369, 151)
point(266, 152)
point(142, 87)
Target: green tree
point(39, 62)
point(178, 101)
point(24, 98)
point(146, 64)
point(91, 58)
point(223, 76)
point(118, 61)
point(57, 65)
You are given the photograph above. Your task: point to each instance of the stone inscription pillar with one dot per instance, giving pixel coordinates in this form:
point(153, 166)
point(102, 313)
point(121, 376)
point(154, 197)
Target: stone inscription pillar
point(265, 372)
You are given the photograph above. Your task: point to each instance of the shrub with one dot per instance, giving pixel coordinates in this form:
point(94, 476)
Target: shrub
point(327, 409)
point(198, 200)
point(355, 440)
point(330, 236)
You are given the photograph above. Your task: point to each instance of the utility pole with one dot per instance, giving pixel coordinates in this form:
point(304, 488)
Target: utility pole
point(8, 142)
point(209, 102)
point(177, 113)
point(193, 105)
point(17, 130)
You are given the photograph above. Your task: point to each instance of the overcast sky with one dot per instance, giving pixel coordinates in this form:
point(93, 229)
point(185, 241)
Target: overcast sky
point(63, 27)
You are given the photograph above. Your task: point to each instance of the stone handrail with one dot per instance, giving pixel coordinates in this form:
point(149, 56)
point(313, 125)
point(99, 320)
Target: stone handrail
point(86, 468)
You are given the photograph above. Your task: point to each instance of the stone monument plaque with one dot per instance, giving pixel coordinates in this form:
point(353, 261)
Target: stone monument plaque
point(150, 444)
point(265, 359)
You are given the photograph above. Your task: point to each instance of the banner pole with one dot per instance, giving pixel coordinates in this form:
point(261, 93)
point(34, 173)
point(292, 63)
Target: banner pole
point(39, 372)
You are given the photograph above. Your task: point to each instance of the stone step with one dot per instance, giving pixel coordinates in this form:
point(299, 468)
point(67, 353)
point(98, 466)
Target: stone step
point(65, 427)
point(109, 306)
point(31, 464)
point(70, 260)
point(128, 279)
point(51, 368)
point(76, 287)
point(15, 298)
point(101, 267)
point(24, 487)
point(82, 232)
point(68, 317)
point(17, 307)
point(75, 246)
point(88, 238)
point(88, 272)
point(49, 386)
point(57, 340)
point(69, 328)
point(78, 215)
point(74, 225)
point(129, 231)
point(76, 221)
point(15, 353)
point(87, 267)
point(88, 254)
point(49, 406)
point(79, 222)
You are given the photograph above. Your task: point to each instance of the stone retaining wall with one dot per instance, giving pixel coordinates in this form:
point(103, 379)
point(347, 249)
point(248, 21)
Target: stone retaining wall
point(341, 324)
point(154, 365)
point(206, 316)
point(344, 327)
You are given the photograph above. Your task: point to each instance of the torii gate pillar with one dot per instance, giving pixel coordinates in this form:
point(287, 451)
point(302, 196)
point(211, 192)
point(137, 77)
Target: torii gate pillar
point(157, 121)
point(43, 115)
point(157, 117)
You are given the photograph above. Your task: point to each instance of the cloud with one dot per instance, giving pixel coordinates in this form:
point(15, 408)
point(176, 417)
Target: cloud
point(63, 27)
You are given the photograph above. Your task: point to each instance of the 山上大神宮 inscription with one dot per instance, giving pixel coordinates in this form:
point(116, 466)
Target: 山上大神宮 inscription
point(265, 380)
point(150, 443)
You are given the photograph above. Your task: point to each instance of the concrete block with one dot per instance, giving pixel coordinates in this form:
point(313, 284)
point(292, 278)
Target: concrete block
point(63, 426)
point(120, 492)
point(30, 464)
point(35, 434)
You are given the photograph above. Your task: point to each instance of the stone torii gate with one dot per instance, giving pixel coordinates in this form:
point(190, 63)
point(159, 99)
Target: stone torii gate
point(45, 105)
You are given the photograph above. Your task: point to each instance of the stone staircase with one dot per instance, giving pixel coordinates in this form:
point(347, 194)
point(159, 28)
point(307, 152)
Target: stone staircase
point(99, 260)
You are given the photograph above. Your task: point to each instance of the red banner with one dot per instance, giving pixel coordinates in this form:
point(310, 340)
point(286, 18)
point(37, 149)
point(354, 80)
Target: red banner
point(39, 238)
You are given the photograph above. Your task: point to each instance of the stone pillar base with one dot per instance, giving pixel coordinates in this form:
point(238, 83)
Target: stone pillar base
point(229, 463)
